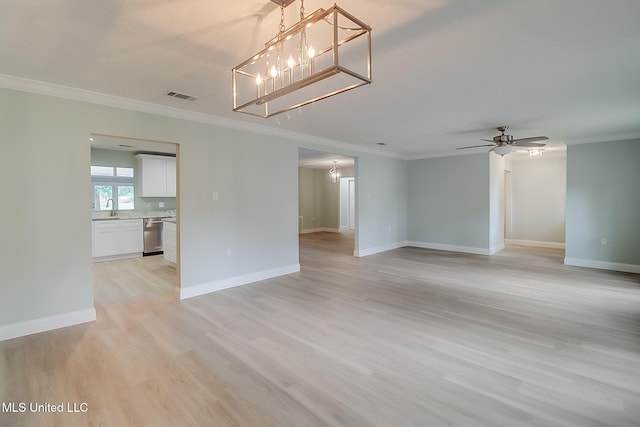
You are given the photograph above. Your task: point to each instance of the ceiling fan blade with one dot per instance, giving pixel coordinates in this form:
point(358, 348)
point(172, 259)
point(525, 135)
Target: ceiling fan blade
point(494, 147)
point(521, 143)
point(476, 146)
point(532, 139)
point(488, 140)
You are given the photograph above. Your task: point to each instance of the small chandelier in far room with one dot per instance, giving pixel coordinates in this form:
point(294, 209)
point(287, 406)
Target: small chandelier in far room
point(304, 63)
point(334, 172)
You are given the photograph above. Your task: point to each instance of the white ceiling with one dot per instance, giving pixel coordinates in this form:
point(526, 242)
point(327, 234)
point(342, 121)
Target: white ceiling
point(445, 71)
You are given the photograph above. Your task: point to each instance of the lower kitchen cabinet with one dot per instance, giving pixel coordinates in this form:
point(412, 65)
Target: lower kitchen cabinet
point(106, 238)
point(131, 236)
point(117, 238)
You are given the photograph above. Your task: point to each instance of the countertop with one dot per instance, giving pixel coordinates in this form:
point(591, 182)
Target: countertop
point(106, 215)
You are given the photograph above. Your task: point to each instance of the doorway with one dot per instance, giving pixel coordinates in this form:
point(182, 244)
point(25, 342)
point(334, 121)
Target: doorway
point(535, 198)
point(132, 181)
point(327, 196)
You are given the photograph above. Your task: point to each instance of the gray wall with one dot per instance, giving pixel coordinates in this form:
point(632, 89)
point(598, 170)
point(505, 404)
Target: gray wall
point(45, 266)
point(45, 255)
point(449, 201)
point(603, 200)
point(381, 203)
point(103, 157)
point(538, 198)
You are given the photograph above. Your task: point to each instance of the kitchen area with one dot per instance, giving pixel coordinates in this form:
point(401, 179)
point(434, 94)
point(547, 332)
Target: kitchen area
point(133, 199)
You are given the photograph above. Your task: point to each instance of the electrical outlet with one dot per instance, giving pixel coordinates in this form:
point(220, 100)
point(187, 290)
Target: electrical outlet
point(161, 204)
point(215, 196)
point(229, 252)
point(603, 240)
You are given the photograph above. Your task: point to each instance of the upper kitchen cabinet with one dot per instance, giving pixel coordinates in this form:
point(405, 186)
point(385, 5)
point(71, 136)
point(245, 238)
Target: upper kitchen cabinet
point(156, 175)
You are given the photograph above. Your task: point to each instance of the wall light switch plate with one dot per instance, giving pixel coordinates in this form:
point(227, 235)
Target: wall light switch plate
point(161, 204)
point(215, 195)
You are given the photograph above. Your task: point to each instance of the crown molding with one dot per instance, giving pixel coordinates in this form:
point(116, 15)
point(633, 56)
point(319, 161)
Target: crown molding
point(605, 138)
point(82, 95)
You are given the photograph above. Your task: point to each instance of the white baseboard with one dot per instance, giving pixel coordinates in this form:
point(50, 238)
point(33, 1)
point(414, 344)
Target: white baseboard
point(603, 265)
point(218, 285)
point(49, 323)
point(496, 249)
point(452, 248)
point(319, 230)
point(378, 249)
point(535, 243)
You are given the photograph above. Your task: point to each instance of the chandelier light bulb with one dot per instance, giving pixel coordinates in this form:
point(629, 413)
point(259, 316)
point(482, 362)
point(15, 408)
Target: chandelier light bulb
point(258, 79)
point(291, 62)
point(311, 53)
point(274, 71)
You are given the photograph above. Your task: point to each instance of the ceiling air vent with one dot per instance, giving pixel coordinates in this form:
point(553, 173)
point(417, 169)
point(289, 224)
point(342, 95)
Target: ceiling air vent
point(181, 96)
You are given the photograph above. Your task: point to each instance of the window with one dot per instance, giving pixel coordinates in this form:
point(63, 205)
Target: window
point(113, 188)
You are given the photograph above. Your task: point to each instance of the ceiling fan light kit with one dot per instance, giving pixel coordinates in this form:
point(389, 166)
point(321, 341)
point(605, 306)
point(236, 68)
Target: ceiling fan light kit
point(304, 63)
point(503, 144)
point(502, 150)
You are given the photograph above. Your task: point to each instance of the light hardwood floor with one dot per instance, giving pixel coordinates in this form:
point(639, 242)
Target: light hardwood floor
point(410, 337)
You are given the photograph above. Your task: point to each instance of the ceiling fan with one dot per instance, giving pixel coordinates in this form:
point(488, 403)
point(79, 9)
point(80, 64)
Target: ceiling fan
point(502, 144)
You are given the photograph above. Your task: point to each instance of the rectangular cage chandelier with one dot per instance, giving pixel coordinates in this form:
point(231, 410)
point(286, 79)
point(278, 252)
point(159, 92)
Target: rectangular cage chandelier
point(326, 53)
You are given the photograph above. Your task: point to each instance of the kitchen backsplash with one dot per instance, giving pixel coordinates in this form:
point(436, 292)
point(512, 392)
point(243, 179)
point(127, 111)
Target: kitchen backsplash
point(135, 214)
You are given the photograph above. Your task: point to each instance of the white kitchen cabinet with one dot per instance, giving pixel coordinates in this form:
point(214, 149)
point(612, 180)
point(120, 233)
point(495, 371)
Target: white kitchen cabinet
point(106, 240)
point(131, 237)
point(117, 238)
point(169, 242)
point(156, 176)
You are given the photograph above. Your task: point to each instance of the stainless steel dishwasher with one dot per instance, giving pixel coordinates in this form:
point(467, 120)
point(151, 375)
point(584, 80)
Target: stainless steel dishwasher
point(152, 232)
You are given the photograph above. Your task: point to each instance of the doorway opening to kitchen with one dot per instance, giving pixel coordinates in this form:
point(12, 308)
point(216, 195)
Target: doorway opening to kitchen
point(326, 200)
point(135, 219)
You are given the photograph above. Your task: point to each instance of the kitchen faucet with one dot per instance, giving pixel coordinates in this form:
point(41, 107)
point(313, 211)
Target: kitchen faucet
point(113, 212)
